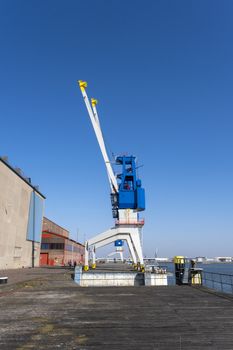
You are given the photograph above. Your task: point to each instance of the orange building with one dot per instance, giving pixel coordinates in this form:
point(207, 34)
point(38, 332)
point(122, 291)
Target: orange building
point(57, 249)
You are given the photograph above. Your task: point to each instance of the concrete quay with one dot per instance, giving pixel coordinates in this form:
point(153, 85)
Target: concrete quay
point(47, 310)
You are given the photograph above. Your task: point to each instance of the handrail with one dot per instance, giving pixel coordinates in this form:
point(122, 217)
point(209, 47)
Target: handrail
point(218, 281)
point(218, 273)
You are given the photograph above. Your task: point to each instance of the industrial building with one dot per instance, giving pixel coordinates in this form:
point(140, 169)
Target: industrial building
point(21, 215)
point(57, 249)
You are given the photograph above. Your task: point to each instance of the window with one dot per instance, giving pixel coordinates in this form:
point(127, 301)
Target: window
point(44, 245)
point(52, 246)
point(56, 245)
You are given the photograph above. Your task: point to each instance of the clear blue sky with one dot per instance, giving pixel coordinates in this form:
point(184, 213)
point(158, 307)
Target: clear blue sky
point(163, 74)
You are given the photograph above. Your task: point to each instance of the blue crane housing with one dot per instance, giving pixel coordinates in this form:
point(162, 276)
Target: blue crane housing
point(130, 193)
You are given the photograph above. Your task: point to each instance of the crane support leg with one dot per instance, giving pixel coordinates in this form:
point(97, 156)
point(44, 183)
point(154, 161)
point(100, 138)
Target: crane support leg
point(135, 236)
point(117, 252)
point(86, 266)
point(125, 237)
point(93, 266)
point(130, 234)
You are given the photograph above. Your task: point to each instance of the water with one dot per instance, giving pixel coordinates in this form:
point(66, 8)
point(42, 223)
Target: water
point(226, 268)
point(216, 275)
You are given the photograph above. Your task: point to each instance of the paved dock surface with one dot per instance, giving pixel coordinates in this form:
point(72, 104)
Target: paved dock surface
point(44, 309)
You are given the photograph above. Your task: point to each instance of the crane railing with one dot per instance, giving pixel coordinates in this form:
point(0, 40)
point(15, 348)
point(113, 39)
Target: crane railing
point(130, 222)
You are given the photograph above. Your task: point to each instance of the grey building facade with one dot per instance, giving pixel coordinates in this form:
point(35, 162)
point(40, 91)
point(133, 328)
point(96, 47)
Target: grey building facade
point(21, 217)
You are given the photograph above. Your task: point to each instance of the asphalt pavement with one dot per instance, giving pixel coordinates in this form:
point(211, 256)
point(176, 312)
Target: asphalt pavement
point(45, 309)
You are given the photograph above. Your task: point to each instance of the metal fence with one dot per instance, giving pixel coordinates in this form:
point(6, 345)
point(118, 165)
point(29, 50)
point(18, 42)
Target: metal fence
point(218, 281)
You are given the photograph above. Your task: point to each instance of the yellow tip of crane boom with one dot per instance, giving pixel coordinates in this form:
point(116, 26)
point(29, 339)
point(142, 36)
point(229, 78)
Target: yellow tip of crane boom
point(94, 102)
point(82, 84)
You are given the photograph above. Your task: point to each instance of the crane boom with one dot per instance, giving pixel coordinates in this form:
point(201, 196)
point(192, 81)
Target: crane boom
point(92, 111)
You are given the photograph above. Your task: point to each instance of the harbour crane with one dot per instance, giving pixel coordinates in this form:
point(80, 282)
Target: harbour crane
point(127, 198)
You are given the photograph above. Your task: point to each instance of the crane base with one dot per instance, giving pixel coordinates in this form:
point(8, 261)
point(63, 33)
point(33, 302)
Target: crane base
point(118, 278)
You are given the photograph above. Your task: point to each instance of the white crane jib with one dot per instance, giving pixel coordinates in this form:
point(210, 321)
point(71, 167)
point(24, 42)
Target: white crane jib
point(92, 111)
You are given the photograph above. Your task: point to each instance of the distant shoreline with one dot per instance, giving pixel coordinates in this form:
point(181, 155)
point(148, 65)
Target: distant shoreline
point(215, 262)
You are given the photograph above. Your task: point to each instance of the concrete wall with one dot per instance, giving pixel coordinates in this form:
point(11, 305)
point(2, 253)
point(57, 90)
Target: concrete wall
point(107, 279)
point(15, 196)
point(155, 279)
point(114, 278)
